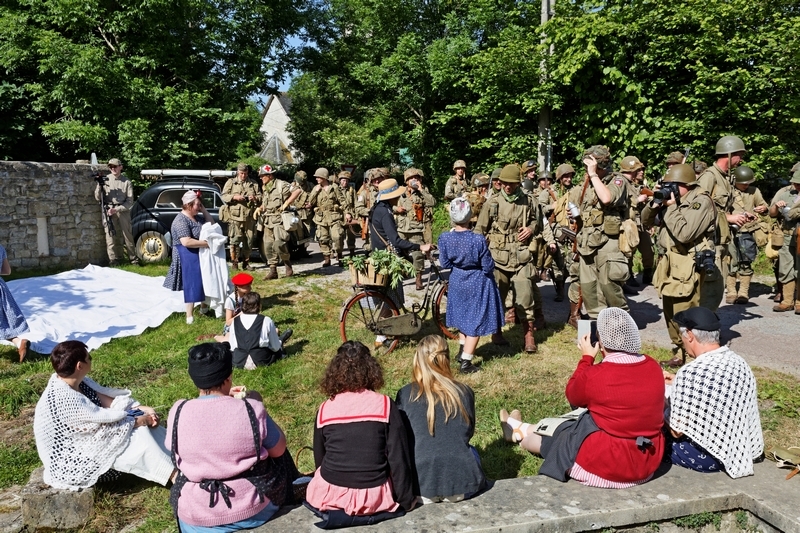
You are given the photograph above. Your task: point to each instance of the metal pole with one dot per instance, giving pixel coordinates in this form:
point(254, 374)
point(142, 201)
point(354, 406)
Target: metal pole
point(545, 153)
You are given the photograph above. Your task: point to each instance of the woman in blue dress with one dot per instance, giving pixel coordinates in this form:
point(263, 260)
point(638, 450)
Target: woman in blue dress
point(184, 271)
point(12, 321)
point(473, 301)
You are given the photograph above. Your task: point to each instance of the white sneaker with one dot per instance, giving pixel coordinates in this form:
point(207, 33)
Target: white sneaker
point(190, 320)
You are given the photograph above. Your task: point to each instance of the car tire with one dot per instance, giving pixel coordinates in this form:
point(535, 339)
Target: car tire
point(151, 247)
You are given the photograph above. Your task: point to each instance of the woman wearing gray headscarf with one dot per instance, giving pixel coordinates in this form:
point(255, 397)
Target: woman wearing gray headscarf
point(473, 300)
point(617, 442)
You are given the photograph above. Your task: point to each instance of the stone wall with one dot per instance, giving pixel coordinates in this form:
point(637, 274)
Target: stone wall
point(48, 215)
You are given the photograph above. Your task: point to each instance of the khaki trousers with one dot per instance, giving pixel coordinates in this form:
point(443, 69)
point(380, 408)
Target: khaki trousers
point(122, 225)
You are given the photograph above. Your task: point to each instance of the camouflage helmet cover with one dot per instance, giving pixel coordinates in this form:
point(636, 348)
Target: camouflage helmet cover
point(510, 174)
point(344, 175)
point(681, 173)
point(674, 158)
point(459, 164)
point(411, 172)
point(744, 175)
point(730, 144)
point(700, 166)
point(300, 176)
point(566, 168)
point(480, 180)
point(630, 163)
point(601, 155)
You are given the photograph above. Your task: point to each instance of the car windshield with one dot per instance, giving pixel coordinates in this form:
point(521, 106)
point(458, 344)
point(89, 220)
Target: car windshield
point(173, 198)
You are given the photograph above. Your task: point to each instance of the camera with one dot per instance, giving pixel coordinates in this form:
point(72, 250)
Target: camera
point(704, 261)
point(663, 194)
point(100, 178)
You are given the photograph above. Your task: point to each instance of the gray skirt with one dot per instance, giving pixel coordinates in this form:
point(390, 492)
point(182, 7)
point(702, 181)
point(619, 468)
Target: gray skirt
point(560, 450)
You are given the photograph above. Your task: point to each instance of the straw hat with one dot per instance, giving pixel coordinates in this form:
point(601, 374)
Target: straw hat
point(389, 189)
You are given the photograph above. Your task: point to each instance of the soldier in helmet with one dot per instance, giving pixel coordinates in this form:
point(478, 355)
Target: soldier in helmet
point(529, 170)
point(330, 214)
point(689, 220)
point(674, 158)
point(746, 239)
point(410, 215)
point(785, 209)
point(561, 219)
point(366, 198)
point(457, 184)
point(241, 198)
point(546, 197)
point(510, 220)
point(633, 170)
point(716, 181)
point(298, 199)
point(349, 193)
point(275, 194)
point(495, 185)
point(478, 195)
point(604, 204)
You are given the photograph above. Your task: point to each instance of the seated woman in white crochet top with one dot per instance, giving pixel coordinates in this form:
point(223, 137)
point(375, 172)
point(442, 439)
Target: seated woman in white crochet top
point(86, 432)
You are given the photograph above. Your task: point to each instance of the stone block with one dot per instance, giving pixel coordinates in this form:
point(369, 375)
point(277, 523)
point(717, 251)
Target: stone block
point(44, 507)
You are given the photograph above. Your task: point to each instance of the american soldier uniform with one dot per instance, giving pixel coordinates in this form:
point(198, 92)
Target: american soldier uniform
point(410, 215)
point(117, 195)
point(633, 170)
point(349, 193)
point(785, 209)
point(478, 196)
point(241, 197)
point(747, 239)
point(329, 206)
point(457, 184)
point(276, 238)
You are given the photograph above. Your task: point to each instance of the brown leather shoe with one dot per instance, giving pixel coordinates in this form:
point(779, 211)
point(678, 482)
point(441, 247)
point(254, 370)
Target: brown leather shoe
point(272, 274)
point(498, 339)
point(289, 272)
point(530, 341)
point(574, 314)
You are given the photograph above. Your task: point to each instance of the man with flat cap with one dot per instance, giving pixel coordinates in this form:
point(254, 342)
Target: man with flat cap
point(241, 198)
point(117, 197)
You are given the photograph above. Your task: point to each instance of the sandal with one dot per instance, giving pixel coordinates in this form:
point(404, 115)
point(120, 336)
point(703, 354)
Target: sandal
point(24, 345)
point(511, 434)
point(785, 457)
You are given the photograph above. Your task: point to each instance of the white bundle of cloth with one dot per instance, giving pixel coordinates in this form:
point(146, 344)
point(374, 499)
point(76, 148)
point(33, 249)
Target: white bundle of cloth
point(214, 268)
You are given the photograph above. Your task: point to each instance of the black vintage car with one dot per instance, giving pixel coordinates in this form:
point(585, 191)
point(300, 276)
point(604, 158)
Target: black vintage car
point(159, 204)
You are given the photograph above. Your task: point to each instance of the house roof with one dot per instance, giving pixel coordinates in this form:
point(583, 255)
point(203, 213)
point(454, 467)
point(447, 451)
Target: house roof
point(283, 100)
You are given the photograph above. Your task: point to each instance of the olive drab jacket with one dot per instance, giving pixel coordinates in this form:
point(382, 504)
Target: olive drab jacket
point(746, 201)
point(240, 210)
point(329, 205)
point(600, 222)
point(719, 186)
point(787, 223)
point(501, 220)
point(416, 203)
point(455, 187)
point(275, 193)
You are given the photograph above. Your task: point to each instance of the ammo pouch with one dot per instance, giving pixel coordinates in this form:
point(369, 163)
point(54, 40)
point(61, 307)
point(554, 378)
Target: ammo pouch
point(224, 213)
point(778, 238)
point(628, 238)
point(524, 253)
point(611, 225)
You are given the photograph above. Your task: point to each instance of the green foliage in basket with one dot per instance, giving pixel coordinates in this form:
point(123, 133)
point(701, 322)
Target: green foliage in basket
point(391, 265)
point(358, 262)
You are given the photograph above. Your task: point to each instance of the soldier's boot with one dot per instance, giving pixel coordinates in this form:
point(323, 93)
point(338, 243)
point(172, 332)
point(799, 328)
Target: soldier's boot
point(778, 292)
point(289, 272)
point(326, 260)
point(418, 285)
point(339, 259)
point(272, 274)
point(538, 320)
point(559, 290)
point(730, 289)
point(574, 314)
point(530, 341)
point(647, 276)
point(744, 290)
point(788, 298)
point(678, 359)
point(498, 339)
point(511, 316)
point(245, 263)
point(234, 258)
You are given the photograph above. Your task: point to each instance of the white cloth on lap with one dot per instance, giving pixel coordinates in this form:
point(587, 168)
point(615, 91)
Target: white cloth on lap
point(714, 402)
point(214, 268)
point(146, 456)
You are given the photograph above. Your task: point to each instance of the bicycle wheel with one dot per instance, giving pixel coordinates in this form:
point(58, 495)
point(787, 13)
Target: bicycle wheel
point(360, 317)
point(440, 313)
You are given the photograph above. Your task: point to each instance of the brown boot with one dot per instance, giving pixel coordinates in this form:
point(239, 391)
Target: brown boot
point(498, 339)
point(289, 272)
point(730, 289)
point(778, 292)
point(530, 341)
point(234, 258)
point(788, 301)
point(326, 261)
point(538, 320)
point(574, 314)
point(419, 286)
point(744, 290)
point(511, 316)
point(272, 274)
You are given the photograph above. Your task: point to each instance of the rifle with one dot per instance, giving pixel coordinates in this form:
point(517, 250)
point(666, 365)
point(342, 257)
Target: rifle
point(107, 223)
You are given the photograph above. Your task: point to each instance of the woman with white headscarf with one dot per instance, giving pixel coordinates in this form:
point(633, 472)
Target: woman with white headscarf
point(473, 300)
point(617, 442)
point(184, 271)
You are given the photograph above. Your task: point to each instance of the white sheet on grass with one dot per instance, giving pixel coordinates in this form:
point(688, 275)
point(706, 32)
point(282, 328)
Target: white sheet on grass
point(92, 305)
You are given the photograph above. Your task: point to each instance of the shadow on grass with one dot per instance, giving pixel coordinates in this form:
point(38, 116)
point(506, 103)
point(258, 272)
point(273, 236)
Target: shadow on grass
point(275, 300)
point(501, 459)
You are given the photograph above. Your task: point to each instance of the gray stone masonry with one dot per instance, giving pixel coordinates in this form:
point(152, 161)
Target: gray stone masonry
point(61, 194)
point(542, 504)
point(44, 507)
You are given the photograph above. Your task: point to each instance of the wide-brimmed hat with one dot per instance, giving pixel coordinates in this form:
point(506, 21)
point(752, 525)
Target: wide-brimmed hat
point(389, 189)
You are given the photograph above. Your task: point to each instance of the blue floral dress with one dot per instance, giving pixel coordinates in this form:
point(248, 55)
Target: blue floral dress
point(473, 300)
point(184, 271)
point(12, 321)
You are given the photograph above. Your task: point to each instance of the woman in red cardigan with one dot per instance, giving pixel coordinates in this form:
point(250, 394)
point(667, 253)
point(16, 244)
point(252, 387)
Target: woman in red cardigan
point(618, 442)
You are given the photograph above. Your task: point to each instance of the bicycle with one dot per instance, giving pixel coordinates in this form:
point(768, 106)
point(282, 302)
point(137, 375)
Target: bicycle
point(371, 312)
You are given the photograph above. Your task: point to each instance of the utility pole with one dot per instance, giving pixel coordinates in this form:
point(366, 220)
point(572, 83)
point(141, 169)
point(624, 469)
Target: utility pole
point(545, 152)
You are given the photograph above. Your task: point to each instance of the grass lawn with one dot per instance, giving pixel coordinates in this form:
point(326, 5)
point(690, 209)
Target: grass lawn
point(153, 366)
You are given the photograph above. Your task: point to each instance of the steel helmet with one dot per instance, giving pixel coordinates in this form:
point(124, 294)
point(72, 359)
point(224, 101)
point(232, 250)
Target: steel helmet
point(795, 177)
point(411, 172)
point(321, 172)
point(744, 175)
point(510, 174)
point(495, 174)
point(529, 165)
point(566, 168)
point(674, 158)
point(601, 155)
point(344, 175)
point(460, 164)
point(527, 185)
point(630, 163)
point(480, 180)
point(681, 173)
point(300, 176)
point(730, 144)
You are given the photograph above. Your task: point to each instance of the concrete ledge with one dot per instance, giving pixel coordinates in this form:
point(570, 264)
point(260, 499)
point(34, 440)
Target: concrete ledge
point(44, 507)
point(542, 504)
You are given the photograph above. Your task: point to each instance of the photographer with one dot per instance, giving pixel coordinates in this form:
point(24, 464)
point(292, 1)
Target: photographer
point(115, 193)
point(688, 226)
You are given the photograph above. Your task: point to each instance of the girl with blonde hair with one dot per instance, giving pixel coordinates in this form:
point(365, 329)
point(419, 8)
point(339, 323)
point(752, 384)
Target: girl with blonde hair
point(440, 417)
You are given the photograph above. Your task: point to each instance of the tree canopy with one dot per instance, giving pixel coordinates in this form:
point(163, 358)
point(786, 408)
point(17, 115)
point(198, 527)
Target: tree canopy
point(449, 80)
